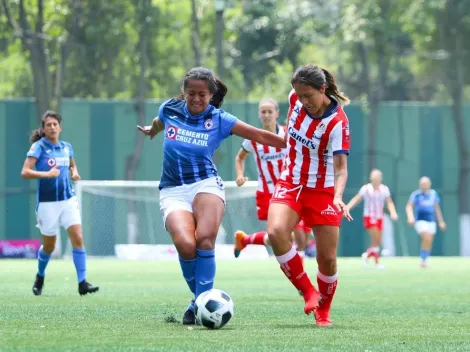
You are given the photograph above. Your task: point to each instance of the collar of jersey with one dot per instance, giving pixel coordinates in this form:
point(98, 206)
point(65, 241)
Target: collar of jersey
point(50, 144)
point(198, 115)
point(327, 112)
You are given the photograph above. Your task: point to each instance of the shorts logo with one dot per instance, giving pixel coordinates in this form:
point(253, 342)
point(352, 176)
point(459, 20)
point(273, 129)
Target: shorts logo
point(51, 162)
point(329, 211)
point(208, 124)
point(171, 132)
point(220, 184)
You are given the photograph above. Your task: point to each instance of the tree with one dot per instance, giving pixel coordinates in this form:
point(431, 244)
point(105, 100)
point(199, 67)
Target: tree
point(195, 34)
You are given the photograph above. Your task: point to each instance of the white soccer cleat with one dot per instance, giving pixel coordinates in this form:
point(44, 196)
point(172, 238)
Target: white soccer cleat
point(379, 267)
point(365, 260)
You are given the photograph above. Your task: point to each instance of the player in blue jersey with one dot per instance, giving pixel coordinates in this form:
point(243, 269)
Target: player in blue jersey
point(192, 195)
point(52, 163)
point(422, 210)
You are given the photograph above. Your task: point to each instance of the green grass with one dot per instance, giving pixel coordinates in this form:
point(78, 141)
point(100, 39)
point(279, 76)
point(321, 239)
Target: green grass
point(402, 308)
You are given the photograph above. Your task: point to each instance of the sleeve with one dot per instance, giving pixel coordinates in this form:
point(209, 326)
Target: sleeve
point(35, 151)
point(437, 199)
point(363, 191)
point(292, 99)
point(227, 122)
point(412, 197)
point(247, 145)
point(386, 192)
point(71, 153)
point(161, 114)
point(340, 138)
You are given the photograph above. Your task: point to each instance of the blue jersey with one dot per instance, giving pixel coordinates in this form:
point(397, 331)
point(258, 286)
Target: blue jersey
point(190, 142)
point(49, 155)
point(424, 204)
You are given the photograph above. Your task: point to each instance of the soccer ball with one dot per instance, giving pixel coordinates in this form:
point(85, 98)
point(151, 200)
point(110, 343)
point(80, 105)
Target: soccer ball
point(213, 309)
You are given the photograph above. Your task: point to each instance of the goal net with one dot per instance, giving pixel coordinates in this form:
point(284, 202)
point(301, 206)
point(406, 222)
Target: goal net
point(123, 219)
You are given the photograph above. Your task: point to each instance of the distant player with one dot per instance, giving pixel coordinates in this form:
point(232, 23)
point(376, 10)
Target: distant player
point(422, 210)
point(375, 195)
point(311, 185)
point(52, 162)
point(269, 162)
point(192, 194)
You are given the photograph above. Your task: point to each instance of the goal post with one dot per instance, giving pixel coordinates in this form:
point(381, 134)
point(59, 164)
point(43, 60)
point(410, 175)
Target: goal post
point(121, 212)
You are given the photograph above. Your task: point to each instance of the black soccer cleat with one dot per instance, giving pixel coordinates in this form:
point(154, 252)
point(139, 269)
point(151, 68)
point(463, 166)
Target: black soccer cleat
point(85, 287)
point(189, 318)
point(38, 285)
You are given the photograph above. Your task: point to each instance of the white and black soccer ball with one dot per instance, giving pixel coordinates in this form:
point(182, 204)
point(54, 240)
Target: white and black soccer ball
point(213, 309)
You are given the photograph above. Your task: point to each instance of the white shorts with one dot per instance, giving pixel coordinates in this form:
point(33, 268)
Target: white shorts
point(182, 197)
point(425, 226)
point(52, 215)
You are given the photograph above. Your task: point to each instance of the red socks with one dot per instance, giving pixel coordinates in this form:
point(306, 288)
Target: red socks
point(259, 238)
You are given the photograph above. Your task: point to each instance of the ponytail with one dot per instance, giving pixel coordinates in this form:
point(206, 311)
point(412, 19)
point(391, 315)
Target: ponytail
point(332, 88)
point(36, 135)
point(218, 98)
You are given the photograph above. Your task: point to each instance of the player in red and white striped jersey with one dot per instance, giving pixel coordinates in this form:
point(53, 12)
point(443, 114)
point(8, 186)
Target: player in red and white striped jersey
point(312, 184)
point(269, 162)
point(375, 195)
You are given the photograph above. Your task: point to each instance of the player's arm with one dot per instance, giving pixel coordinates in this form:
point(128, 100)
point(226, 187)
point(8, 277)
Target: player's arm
point(410, 212)
point(391, 208)
point(355, 201)
point(240, 167)
point(440, 217)
point(28, 171)
point(156, 127)
point(258, 135)
point(74, 170)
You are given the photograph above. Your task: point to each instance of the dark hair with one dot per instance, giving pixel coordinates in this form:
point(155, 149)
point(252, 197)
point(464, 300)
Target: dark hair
point(38, 133)
point(315, 76)
point(216, 86)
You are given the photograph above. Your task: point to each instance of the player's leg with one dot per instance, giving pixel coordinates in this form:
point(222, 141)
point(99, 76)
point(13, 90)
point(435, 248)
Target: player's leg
point(327, 277)
point(300, 238)
point(376, 240)
point(282, 219)
point(44, 255)
point(259, 238)
point(209, 210)
point(426, 247)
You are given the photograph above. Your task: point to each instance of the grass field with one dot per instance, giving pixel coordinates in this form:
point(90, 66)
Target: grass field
point(140, 305)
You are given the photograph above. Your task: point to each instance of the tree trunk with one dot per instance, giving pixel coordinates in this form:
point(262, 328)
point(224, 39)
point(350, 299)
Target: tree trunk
point(195, 34)
point(220, 26)
point(133, 160)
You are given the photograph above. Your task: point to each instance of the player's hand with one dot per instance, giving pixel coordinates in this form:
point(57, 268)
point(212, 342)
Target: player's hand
point(148, 131)
point(240, 181)
point(411, 221)
point(53, 173)
point(74, 176)
point(442, 225)
point(341, 207)
point(394, 216)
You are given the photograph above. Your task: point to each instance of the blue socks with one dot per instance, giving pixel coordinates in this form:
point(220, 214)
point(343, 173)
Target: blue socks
point(189, 271)
point(424, 254)
point(43, 259)
point(79, 259)
point(205, 270)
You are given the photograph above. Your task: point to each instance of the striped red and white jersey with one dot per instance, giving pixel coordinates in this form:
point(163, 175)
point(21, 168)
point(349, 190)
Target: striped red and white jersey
point(311, 144)
point(269, 161)
point(374, 200)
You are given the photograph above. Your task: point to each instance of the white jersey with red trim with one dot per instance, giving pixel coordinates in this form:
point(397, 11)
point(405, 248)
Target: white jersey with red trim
point(312, 142)
point(374, 200)
point(269, 161)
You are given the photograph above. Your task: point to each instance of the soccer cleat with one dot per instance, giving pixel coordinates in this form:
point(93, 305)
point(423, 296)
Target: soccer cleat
point(85, 287)
point(365, 259)
point(38, 285)
point(379, 267)
point(322, 317)
point(189, 318)
point(423, 265)
point(239, 246)
point(312, 300)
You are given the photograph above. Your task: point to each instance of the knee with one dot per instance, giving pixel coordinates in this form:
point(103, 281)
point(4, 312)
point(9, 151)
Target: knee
point(327, 261)
point(186, 248)
point(277, 232)
point(205, 240)
point(48, 248)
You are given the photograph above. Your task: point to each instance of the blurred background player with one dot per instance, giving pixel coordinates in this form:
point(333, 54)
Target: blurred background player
point(421, 211)
point(375, 195)
point(311, 185)
point(52, 163)
point(269, 161)
point(192, 195)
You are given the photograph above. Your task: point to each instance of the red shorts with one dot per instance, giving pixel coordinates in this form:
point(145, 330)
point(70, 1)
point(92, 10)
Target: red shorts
point(314, 206)
point(301, 226)
point(262, 204)
point(370, 223)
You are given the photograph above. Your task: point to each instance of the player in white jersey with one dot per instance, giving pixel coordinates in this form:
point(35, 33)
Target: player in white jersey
point(52, 162)
point(269, 162)
point(375, 194)
point(312, 183)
